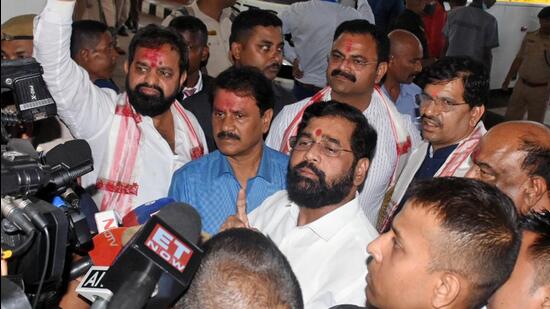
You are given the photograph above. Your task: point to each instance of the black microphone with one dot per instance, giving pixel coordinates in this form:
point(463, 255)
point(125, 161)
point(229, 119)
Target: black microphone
point(69, 161)
point(165, 244)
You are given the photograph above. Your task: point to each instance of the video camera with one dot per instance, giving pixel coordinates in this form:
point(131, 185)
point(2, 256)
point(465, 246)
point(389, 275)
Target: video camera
point(38, 238)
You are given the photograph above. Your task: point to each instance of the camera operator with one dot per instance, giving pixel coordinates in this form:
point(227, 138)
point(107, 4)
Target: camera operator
point(138, 138)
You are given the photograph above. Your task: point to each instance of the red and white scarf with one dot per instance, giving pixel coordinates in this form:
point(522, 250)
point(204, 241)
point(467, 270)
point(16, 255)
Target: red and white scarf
point(119, 171)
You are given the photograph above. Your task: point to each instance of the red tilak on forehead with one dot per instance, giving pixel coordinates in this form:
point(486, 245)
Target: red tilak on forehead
point(347, 45)
point(318, 132)
point(225, 105)
point(153, 55)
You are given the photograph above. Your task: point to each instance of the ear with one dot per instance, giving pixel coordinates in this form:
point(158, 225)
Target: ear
point(476, 113)
point(266, 120)
point(126, 67)
point(236, 49)
point(535, 190)
point(84, 55)
point(446, 290)
point(205, 53)
point(360, 172)
point(381, 71)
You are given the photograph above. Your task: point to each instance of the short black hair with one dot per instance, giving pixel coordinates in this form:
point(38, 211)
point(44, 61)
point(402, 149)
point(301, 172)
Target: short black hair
point(245, 22)
point(363, 26)
point(473, 74)
point(482, 238)
point(192, 25)
point(363, 138)
point(242, 268)
point(154, 36)
point(538, 222)
point(537, 159)
point(246, 81)
point(86, 34)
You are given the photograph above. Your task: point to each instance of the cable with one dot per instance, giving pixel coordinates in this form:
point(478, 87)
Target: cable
point(17, 251)
point(43, 276)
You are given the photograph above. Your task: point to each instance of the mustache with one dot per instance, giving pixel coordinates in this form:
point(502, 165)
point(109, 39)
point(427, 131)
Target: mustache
point(228, 135)
point(346, 75)
point(156, 87)
point(304, 164)
point(433, 119)
point(274, 65)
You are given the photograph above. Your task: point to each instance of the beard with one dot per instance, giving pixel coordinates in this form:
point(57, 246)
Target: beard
point(149, 105)
point(308, 193)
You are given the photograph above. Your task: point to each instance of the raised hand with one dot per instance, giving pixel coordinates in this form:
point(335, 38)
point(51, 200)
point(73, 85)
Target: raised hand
point(240, 219)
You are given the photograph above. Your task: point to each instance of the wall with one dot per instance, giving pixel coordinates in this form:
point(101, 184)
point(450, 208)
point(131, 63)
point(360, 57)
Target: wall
point(11, 8)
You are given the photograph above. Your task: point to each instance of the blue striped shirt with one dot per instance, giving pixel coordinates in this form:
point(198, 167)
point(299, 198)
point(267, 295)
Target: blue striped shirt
point(209, 185)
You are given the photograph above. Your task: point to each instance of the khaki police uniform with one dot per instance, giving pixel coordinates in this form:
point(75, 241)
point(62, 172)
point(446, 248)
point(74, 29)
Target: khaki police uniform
point(532, 89)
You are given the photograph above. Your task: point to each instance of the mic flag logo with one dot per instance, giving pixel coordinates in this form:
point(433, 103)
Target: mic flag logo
point(169, 248)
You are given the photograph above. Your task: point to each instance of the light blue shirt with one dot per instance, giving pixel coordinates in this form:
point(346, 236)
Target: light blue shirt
point(210, 186)
point(406, 103)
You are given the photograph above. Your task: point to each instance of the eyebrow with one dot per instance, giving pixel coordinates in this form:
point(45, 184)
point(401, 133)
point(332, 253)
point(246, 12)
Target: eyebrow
point(266, 42)
point(332, 140)
point(484, 165)
point(396, 231)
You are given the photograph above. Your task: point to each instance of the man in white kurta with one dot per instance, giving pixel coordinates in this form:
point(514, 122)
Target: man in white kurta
point(133, 160)
point(353, 82)
point(317, 222)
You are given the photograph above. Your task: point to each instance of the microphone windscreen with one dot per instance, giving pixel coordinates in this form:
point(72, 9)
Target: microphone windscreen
point(141, 214)
point(184, 219)
point(107, 246)
point(72, 153)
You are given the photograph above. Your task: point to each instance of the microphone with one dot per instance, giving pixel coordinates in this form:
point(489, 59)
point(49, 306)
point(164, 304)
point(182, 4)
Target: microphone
point(69, 161)
point(106, 219)
point(107, 246)
point(142, 213)
point(166, 243)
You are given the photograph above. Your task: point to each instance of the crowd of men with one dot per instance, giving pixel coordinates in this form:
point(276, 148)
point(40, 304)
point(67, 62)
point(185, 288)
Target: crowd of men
point(374, 185)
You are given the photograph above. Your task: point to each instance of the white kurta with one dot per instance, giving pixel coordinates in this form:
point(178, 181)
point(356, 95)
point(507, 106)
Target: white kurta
point(328, 255)
point(89, 111)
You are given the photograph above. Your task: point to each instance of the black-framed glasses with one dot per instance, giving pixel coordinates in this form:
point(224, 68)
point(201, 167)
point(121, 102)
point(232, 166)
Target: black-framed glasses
point(328, 148)
point(444, 104)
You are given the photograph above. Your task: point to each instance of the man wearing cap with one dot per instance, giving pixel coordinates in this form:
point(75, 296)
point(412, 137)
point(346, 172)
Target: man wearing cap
point(532, 66)
point(17, 37)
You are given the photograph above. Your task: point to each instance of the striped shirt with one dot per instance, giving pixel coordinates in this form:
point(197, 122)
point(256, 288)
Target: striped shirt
point(381, 169)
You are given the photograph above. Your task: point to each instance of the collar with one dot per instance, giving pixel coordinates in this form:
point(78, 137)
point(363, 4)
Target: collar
point(264, 170)
point(332, 223)
point(480, 126)
point(197, 86)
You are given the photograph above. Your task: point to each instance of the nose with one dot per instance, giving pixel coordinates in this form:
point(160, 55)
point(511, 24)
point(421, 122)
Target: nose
point(314, 153)
point(429, 108)
point(228, 123)
point(374, 249)
point(418, 67)
point(152, 77)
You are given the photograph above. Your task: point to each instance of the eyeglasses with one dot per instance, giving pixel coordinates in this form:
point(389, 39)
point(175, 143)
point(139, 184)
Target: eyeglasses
point(443, 104)
point(328, 148)
point(357, 63)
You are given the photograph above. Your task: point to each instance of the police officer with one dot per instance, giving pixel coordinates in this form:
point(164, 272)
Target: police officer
point(532, 64)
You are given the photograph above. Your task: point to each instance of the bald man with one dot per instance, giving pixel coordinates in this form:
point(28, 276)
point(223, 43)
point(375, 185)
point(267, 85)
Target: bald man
point(403, 66)
point(515, 157)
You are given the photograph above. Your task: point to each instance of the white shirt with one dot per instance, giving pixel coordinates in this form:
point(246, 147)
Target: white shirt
point(197, 88)
point(312, 25)
point(328, 256)
point(89, 111)
point(382, 166)
point(218, 36)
